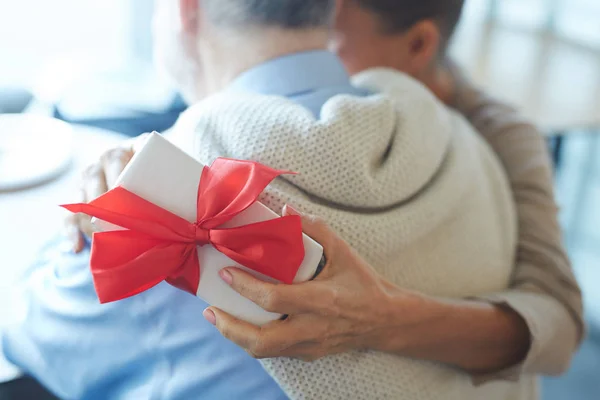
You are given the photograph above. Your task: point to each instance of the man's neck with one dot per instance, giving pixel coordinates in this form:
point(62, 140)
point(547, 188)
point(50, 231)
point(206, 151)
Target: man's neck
point(232, 53)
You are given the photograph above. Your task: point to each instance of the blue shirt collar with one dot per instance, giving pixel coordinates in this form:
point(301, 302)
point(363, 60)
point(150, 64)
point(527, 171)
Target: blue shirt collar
point(293, 75)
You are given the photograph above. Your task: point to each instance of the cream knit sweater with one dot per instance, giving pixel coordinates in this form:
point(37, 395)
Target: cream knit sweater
point(408, 184)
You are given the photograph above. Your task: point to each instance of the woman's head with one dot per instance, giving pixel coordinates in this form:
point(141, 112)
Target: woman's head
point(409, 35)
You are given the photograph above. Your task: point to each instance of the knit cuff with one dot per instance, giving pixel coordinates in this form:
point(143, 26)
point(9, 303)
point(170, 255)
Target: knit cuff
point(554, 336)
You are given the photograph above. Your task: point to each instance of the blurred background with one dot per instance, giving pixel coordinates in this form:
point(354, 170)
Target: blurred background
point(89, 63)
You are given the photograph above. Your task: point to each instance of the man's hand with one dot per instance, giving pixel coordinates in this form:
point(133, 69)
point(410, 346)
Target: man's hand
point(345, 308)
point(96, 180)
point(442, 81)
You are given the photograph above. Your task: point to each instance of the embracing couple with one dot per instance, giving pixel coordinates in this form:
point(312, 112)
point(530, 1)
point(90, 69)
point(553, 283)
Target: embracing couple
point(446, 276)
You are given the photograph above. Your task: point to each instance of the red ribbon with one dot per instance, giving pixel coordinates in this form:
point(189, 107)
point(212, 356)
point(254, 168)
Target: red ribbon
point(158, 245)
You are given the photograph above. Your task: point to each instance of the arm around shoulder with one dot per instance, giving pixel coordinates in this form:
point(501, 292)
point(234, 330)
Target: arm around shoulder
point(543, 291)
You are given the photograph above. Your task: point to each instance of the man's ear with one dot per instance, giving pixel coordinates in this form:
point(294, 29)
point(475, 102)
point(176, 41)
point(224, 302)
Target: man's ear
point(189, 13)
point(424, 41)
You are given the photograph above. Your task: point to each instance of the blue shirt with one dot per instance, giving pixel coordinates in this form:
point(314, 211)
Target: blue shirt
point(155, 345)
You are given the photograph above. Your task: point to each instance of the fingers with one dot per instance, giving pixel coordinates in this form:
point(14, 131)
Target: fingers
point(278, 298)
point(96, 180)
point(73, 234)
point(239, 332)
point(317, 229)
point(93, 183)
point(113, 163)
point(276, 339)
point(72, 228)
point(85, 225)
point(93, 186)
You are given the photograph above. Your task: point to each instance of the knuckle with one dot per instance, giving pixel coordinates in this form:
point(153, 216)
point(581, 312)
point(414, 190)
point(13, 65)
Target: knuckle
point(260, 347)
point(313, 219)
point(92, 171)
point(116, 154)
point(336, 298)
point(259, 351)
point(271, 300)
point(322, 227)
point(331, 300)
point(225, 331)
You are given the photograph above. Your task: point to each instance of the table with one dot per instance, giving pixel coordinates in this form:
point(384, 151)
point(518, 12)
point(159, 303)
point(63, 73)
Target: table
point(30, 217)
point(554, 81)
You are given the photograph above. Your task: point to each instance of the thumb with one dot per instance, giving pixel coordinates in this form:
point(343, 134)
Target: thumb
point(314, 227)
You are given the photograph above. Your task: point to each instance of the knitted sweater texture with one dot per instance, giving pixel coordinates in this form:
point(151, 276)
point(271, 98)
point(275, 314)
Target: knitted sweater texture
point(407, 183)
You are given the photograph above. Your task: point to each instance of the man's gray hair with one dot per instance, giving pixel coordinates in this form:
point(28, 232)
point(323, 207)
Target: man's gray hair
point(287, 14)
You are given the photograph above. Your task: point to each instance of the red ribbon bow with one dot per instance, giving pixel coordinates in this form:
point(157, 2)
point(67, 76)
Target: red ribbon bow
point(159, 245)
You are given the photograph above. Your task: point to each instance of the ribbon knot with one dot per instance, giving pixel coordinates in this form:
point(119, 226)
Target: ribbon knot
point(158, 245)
point(202, 235)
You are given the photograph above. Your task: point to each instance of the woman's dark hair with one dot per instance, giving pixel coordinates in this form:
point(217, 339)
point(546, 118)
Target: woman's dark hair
point(398, 16)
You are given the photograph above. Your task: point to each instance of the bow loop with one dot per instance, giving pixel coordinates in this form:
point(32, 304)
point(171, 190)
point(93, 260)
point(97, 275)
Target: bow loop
point(229, 187)
point(159, 245)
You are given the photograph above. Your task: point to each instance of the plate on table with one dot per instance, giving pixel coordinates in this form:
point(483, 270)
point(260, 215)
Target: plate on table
point(33, 150)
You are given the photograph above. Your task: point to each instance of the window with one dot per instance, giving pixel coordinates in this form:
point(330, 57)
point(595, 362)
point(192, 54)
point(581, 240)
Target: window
point(574, 19)
point(35, 33)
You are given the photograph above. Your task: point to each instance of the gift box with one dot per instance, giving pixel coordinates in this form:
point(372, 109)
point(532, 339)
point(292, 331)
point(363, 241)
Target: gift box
point(167, 209)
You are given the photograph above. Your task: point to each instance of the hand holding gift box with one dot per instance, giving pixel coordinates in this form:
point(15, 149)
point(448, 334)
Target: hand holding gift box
point(170, 218)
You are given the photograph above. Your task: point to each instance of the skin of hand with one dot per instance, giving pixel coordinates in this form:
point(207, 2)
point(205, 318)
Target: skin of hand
point(339, 311)
point(350, 307)
point(96, 180)
point(441, 81)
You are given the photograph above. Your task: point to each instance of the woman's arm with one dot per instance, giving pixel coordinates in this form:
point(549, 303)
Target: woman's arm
point(475, 336)
point(349, 306)
point(534, 327)
point(543, 290)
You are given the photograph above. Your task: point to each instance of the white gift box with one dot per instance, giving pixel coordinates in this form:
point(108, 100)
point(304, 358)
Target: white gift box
point(163, 174)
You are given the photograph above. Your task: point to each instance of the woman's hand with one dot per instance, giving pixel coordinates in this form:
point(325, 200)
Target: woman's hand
point(96, 180)
point(345, 308)
point(350, 307)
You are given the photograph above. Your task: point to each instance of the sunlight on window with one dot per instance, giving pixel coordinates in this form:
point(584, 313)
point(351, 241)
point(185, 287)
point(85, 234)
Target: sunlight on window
point(529, 13)
point(580, 20)
point(576, 20)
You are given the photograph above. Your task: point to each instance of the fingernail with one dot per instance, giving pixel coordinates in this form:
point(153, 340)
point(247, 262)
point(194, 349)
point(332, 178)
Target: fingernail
point(210, 316)
point(226, 276)
point(289, 210)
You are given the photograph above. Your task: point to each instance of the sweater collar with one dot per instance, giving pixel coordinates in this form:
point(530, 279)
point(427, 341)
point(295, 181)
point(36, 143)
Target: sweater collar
point(293, 74)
